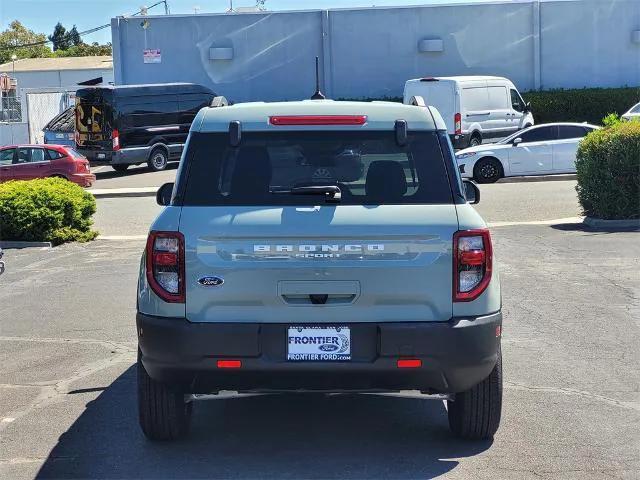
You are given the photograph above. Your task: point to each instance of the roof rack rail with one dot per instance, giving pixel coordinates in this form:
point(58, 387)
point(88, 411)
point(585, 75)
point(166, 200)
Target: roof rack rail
point(219, 102)
point(417, 101)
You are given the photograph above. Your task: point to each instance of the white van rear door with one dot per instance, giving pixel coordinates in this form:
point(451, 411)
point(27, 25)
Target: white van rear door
point(440, 94)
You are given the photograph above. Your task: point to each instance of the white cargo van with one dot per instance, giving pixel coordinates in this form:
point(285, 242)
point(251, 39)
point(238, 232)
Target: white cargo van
point(476, 109)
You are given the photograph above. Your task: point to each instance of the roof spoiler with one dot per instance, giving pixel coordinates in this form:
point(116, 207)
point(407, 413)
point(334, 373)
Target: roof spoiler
point(219, 102)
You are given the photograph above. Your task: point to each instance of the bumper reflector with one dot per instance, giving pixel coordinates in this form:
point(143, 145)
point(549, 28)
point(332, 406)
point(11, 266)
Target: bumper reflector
point(409, 363)
point(229, 364)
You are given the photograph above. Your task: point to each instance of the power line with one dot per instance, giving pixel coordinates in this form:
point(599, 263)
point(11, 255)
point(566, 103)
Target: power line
point(85, 32)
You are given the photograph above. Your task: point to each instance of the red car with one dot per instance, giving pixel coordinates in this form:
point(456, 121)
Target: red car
point(26, 162)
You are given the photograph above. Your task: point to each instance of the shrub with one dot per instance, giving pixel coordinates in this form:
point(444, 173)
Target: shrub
point(581, 105)
point(608, 167)
point(47, 210)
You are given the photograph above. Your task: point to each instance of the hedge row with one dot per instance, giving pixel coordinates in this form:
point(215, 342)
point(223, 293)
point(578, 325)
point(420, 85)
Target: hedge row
point(47, 210)
point(608, 170)
point(579, 105)
point(583, 105)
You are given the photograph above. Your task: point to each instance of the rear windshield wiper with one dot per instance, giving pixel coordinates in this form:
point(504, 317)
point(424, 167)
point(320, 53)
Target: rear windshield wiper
point(332, 193)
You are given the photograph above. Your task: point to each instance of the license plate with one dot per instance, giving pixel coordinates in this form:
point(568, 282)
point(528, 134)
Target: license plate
point(101, 155)
point(318, 344)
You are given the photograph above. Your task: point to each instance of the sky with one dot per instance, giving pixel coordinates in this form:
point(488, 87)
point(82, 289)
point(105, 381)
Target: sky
point(42, 15)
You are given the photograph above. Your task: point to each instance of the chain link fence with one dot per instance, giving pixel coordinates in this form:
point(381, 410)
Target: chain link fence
point(10, 109)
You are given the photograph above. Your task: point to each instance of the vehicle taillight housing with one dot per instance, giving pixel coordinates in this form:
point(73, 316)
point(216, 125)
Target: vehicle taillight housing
point(115, 135)
point(472, 264)
point(165, 265)
point(457, 120)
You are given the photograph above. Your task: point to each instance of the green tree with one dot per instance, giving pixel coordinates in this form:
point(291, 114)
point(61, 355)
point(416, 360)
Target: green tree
point(16, 35)
point(74, 37)
point(85, 50)
point(60, 38)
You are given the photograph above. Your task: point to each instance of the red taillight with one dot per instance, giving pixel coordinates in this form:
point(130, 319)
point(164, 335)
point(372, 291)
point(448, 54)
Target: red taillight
point(318, 120)
point(115, 136)
point(457, 120)
point(165, 265)
point(472, 263)
point(229, 364)
point(409, 363)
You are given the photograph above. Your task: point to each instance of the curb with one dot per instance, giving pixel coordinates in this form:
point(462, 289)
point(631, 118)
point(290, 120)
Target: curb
point(539, 178)
point(124, 192)
point(633, 223)
point(11, 244)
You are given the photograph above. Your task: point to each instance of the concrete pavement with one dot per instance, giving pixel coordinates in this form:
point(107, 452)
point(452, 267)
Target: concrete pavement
point(572, 402)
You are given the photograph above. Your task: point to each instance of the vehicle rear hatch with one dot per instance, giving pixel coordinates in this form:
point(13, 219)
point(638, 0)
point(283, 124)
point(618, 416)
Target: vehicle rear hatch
point(438, 93)
point(93, 121)
point(382, 252)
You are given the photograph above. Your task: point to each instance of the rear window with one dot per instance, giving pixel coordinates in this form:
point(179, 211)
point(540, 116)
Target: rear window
point(369, 168)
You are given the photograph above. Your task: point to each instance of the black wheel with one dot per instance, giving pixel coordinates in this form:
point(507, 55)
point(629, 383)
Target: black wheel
point(120, 167)
point(158, 159)
point(475, 413)
point(475, 141)
point(163, 413)
point(487, 170)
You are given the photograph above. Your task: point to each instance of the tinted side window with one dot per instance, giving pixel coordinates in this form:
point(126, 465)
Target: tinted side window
point(54, 154)
point(516, 101)
point(368, 167)
point(6, 156)
point(541, 134)
point(23, 155)
point(38, 155)
point(149, 111)
point(571, 131)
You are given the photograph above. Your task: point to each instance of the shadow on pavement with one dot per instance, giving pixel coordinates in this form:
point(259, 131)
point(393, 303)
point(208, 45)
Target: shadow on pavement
point(581, 227)
point(130, 171)
point(274, 436)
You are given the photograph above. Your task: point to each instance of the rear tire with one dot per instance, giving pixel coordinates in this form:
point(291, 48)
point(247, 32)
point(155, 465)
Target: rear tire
point(158, 160)
point(475, 413)
point(120, 167)
point(475, 140)
point(487, 170)
point(162, 412)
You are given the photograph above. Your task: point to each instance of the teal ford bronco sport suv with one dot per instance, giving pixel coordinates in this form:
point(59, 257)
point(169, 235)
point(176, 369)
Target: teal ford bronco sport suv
point(319, 246)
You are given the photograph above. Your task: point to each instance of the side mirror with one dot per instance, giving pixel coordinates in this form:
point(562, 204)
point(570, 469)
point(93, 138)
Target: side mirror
point(163, 195)
point(527, 107)
point(471, 192)
point(517, 141)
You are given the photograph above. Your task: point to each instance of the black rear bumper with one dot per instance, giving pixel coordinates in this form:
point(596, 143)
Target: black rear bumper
point(455, 356)
point(460, 140)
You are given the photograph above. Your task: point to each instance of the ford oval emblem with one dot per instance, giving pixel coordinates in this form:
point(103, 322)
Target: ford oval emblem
point(210, 281)
point(328, 347)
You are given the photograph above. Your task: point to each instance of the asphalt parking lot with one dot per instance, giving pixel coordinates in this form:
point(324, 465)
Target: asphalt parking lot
point(572, 385)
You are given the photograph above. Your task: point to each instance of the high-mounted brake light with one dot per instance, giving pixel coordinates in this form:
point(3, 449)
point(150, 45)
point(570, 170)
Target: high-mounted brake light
point(457, 120)
point(472, 264)
point(115, 135)
point(409, 363)
point(318, 120)
point(229, 363)
point(165, 265)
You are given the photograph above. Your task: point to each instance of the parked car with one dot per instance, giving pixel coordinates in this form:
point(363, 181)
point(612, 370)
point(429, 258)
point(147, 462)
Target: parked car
point(135, 124)
point(319, 246)
point(26, 162)
point(538, 150)
point(475, 109)
point(60, 129)
point(633, 113)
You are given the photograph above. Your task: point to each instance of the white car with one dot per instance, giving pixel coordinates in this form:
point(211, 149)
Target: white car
point(633, 113)
point(538, 150)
